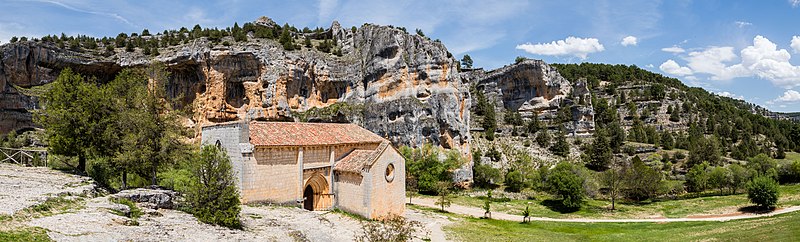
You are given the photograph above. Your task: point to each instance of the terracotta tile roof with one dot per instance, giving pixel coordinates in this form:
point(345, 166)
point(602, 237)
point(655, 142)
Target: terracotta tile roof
point(357, 160)
point(308, 134)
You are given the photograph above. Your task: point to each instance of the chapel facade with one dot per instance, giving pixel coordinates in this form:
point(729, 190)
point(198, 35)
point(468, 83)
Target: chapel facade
point(318, 166)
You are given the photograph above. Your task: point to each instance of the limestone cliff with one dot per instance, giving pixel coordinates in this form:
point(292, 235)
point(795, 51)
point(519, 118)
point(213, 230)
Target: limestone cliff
point(532, 86)
point(403, 87)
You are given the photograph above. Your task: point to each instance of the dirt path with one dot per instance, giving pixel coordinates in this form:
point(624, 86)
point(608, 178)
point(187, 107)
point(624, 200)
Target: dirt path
point(478, 212)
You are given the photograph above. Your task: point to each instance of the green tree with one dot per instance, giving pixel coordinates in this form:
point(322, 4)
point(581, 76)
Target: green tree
point(617, 136)
point(485, 176)
point(512, 118)
point(613, 180)
point(739, 177)
point(763, 191)
point(560, 147)
point(719, 178)
point(74, 120)
point(212, 196)
point(642, 181)
point(667, 142)
point(534, 125)
point(489, 121)
point(423, 166)
point(704, 150)
point(565, 183)
point(466, 61)
point(697, 178)
point(674, 116)
point(514, 181)
point(600, 152)
point(543, 138)
point(444, 198)
point(420, 33)
point(763, 165)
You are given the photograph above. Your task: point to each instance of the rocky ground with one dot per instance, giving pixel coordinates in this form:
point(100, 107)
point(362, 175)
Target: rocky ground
point(94, 216)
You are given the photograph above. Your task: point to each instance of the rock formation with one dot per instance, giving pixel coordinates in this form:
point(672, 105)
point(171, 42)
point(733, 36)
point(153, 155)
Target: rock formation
point(533, 86)
point(403, 87)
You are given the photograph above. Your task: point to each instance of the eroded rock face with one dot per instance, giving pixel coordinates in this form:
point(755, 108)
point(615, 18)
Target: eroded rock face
point(532, 86)
point(403, 87)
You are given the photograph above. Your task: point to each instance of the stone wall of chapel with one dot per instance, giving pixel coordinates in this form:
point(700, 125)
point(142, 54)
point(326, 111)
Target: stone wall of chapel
point(350, 193)
point(316, 156)
point(272, 175)
point(387, 197)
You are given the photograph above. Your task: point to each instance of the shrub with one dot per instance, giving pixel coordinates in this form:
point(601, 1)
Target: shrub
point(212, 195)
point(514, 181)
point(486, 176)
point(763, 191)
point(423, 166)
point(393, 228)
point(565, 183)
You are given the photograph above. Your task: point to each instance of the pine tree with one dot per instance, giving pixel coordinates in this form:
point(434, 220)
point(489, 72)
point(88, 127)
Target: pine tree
point(560, 147)
point(600, 153)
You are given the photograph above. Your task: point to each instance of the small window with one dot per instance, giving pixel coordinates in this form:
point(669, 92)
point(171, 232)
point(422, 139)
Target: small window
point(390, 173)
point(219, 144)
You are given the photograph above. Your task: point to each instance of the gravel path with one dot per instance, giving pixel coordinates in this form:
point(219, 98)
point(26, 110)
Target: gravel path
point(478, 212)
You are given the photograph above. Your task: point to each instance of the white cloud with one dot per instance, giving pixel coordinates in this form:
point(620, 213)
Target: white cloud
point(579, 47)
point(629, 40)
point(712, 61)
point(796, 43)
point(794, 3)
point(743, 24)
point(766, 61)
point(789, 96)
point(673, 49)
point(730, 95)
point(671, 67)
point(763, 59)
point(649, 66)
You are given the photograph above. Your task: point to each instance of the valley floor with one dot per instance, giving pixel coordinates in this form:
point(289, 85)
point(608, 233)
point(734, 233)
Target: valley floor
point(39, 204)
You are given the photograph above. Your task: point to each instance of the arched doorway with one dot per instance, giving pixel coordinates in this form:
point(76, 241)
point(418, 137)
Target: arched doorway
point(316, 193)
point(308, 194)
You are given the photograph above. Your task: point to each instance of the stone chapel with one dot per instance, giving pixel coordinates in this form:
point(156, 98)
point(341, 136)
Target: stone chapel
point(318, 166)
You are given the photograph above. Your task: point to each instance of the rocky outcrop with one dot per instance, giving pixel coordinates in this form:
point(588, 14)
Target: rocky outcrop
point(154, 198)
point(403, 87)
point(532, 86)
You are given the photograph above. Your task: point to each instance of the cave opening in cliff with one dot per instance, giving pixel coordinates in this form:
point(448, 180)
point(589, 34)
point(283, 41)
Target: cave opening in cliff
point(234, 94)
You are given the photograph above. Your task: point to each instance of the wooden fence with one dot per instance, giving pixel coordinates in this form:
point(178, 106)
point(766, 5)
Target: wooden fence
point(26, 157)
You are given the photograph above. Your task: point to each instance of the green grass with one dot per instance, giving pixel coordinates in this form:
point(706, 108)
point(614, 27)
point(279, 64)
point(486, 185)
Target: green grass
point(24, 234)
point(791, 156)
point(546, 206)
point(54, 205)
point(777, 228)
point(135, 212)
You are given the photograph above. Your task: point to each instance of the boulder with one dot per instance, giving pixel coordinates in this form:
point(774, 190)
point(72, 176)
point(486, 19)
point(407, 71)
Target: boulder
point(154, 198)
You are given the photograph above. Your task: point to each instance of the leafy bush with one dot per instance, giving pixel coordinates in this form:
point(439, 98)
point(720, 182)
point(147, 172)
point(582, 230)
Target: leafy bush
point(424, 167)
point(212, 195)
point(485, 176)
point(763, 191)
point(565, 183)
point(514, 181)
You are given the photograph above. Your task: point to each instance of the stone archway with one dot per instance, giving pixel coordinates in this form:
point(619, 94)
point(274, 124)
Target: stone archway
point(308, 194)
point(316, 193)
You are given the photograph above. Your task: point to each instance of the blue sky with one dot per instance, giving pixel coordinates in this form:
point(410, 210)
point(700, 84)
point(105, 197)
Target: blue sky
point(743, 49)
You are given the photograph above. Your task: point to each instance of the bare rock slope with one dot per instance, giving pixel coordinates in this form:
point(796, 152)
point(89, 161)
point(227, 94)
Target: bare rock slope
point(400, 86)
